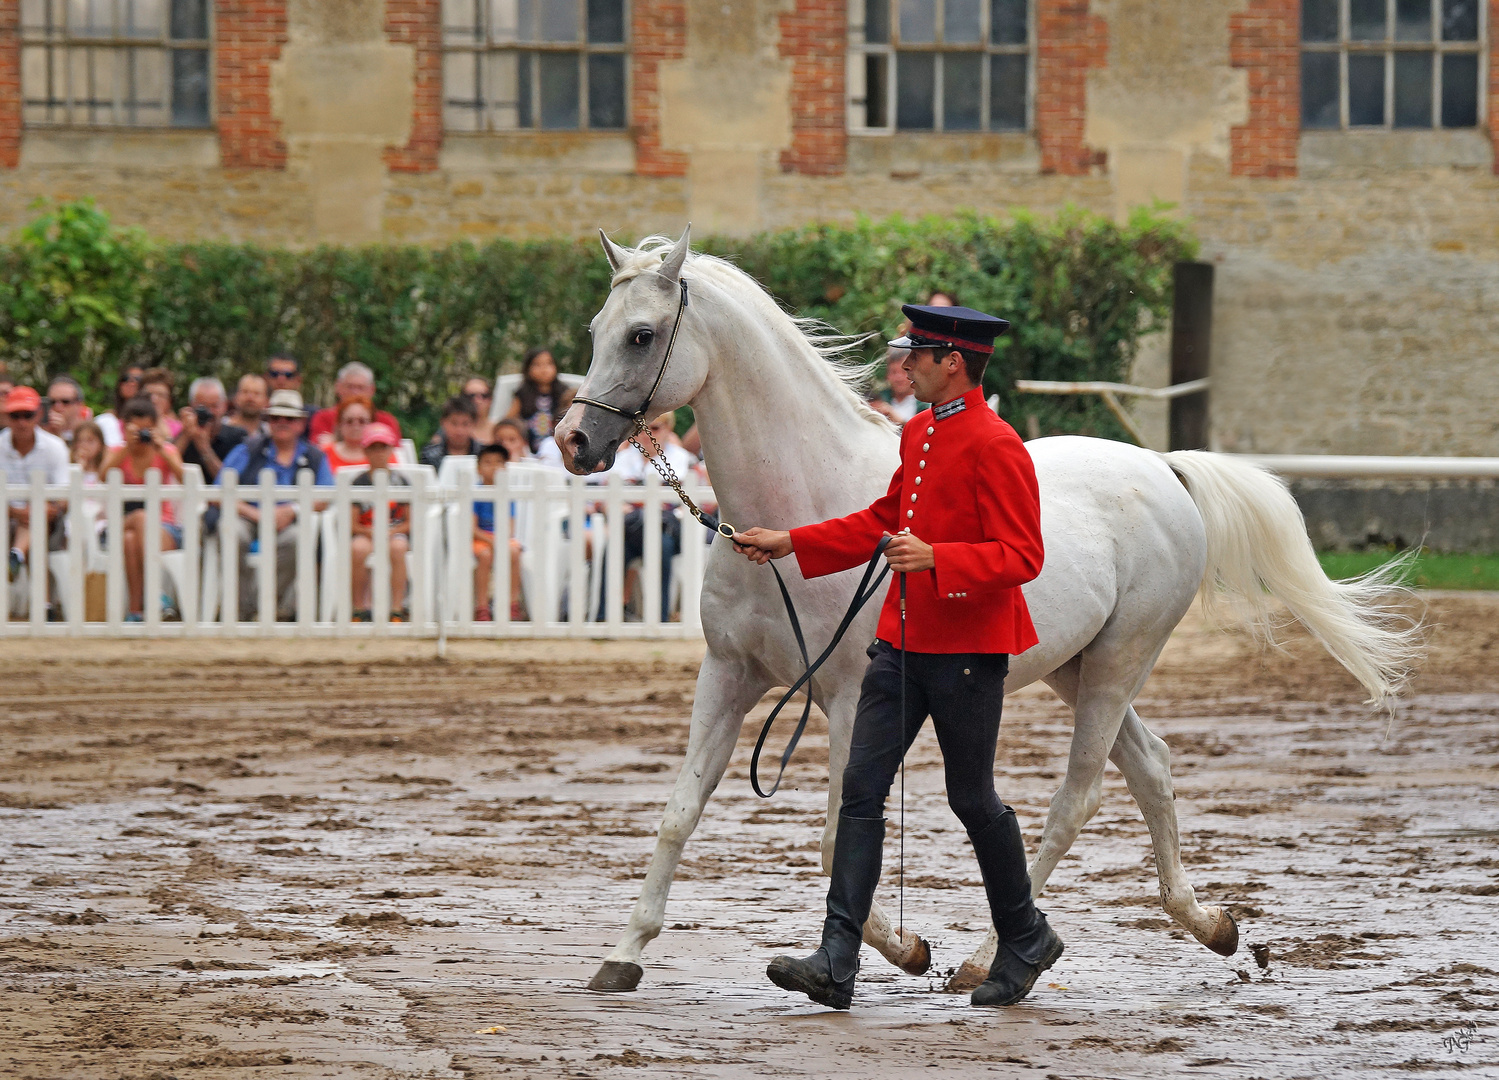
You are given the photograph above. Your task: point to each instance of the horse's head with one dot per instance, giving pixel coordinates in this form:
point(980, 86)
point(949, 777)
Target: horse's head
point(631, 334)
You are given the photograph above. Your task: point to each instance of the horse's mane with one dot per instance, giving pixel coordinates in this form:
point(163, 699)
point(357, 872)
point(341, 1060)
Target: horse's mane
point(850, 371)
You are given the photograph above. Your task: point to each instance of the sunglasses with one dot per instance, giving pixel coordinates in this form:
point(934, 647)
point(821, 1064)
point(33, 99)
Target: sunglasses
point(64, 400)
point(285, 419)
point(280, 374)
point(28, 414)
point(355, 420)
point(481, 394)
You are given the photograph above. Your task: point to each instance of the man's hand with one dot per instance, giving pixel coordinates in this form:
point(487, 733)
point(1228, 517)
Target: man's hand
point(909, 555)
point(762, 545)
point(285, 515)
point(192, 431)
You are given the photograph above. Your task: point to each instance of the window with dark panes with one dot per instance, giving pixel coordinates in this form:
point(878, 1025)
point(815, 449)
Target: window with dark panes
point(513, 65)
point(116, 63)
point(939, 65)
point(1394, 64)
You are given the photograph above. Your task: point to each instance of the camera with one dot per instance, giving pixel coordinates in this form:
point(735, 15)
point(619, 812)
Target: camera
point(205, 418)
point(144, 435)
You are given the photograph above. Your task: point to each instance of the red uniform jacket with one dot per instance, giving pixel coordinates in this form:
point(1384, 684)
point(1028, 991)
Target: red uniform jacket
point(965, 485)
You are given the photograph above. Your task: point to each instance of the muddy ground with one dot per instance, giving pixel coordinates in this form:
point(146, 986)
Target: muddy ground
point(298, 860)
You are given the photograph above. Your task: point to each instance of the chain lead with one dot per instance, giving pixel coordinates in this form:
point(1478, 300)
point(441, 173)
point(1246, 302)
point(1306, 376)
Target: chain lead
point(669, 475)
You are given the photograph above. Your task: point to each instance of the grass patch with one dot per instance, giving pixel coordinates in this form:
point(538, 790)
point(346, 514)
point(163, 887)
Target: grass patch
point(1430, 570)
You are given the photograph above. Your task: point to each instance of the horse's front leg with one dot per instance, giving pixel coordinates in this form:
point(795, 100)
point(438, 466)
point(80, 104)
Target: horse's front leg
point(726, 690)
point(904, 949)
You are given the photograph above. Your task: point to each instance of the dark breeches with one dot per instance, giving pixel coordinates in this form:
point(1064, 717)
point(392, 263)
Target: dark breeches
point(963, 693)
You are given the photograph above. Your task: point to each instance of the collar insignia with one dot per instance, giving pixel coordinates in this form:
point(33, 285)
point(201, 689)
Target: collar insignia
point(951, 408)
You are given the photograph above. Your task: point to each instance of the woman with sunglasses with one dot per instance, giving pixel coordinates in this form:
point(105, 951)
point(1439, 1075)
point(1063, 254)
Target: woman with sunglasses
point(347, 448)
point(478, 389)
point(126, 387)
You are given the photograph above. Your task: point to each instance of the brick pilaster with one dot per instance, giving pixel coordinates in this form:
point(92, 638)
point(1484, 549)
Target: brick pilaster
point(658, 32)
point(814, 37)
point(1070, 42)
point(419, 23)
point(1265, 40)
point(10, 83)
point(248, 35)
point(1494, 80)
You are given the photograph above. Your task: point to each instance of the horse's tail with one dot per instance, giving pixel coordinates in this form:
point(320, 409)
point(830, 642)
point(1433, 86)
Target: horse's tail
point(1257, 548)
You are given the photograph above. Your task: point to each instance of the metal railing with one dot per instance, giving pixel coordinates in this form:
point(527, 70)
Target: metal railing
point(571, 537)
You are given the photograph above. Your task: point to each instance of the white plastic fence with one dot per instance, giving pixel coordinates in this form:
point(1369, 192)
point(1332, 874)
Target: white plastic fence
point(572, 563)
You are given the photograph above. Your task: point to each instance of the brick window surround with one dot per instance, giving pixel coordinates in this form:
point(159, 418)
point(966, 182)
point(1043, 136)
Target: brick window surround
point(248, 35)
point(1265, 40)
point(813, 38)
point(419, 23)
point(10, 83)
point(658, 33)
point(1070, 42)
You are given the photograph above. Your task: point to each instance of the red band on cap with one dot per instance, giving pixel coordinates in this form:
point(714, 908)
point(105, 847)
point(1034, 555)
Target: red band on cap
point(972, 346)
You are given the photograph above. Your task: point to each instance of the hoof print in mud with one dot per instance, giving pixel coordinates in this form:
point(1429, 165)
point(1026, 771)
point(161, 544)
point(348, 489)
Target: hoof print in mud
point(613, 976)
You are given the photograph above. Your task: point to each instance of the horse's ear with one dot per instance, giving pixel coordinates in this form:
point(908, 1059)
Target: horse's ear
point(671, 266)
point(612, 251)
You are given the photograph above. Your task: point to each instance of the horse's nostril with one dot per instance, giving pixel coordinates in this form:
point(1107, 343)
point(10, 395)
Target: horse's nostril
point(578, 440)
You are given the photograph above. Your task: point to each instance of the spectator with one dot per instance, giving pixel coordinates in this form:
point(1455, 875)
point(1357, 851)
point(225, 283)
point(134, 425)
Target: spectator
point(379, 444)
point(7, 384)
point(127, 386)
point(492, 458)
point(482, 393)
point(512, 435)
point(250, 397)
point(541, 399)
point(632, 465)
point(285, 452)
point(283, 372)
point(24, 449)
point(65, 407)
point(156, 384)
point(205, 438)
point(88, 451)
point(898, 404)
point(354, 415)
point(354, 381)
point(456, 434)
point(144, 449)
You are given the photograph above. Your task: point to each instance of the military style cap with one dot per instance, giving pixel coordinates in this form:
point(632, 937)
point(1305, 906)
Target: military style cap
point(950, 328)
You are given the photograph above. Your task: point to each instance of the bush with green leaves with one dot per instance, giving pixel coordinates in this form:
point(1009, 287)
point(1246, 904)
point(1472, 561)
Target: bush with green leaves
point(79, 296)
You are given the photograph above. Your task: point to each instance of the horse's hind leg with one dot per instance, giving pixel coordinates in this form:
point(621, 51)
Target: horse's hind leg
point(1145, 761)
point(726, 690)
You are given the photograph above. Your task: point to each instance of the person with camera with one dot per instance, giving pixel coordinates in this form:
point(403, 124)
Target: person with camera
point(145, 449)
point(205, 440)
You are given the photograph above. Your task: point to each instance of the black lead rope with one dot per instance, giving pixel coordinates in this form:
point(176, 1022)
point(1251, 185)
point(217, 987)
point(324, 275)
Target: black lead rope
point(862, 595)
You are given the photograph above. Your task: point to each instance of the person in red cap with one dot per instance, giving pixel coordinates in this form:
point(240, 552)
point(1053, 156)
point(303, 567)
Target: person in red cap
point(964, 513)
point(379, 444)
point(24, 449)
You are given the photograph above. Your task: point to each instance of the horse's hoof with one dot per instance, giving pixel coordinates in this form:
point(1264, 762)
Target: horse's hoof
point(1225, 937)
point(966, 978)
point(919, 956)
point(615, 976)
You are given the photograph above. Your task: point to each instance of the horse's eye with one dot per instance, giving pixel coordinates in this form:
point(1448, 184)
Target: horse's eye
point(643, 337)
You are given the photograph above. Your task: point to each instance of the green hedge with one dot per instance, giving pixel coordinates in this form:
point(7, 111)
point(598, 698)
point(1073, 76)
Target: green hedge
point(82, 296)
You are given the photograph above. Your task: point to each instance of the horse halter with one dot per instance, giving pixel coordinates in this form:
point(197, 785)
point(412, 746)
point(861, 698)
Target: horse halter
point(658, 460)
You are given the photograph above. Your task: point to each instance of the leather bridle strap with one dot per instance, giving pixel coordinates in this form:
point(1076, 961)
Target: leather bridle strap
point(639, 416)
point(862, 595)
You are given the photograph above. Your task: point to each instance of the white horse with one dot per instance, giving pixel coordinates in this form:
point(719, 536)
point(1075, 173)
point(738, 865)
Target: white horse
point(1131, 537)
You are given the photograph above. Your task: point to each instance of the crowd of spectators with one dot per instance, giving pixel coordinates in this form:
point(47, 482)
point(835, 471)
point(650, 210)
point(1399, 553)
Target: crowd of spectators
point(265, 425)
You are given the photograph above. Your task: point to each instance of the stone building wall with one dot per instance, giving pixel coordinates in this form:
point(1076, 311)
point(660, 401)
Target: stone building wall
point(1356, 272)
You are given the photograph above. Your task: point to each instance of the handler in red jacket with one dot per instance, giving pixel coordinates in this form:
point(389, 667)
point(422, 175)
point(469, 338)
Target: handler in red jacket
point(966, 515)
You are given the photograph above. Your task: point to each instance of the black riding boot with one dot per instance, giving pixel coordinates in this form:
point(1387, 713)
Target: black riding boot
point(827, 976)
point(1027, 943)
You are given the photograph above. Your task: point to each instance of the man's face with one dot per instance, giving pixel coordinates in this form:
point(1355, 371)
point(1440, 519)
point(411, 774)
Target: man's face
point(928, 371)
point(458, 429)
point(283, 375)
point(284, 429)
point(67, 404)
point(352, 386)
point(895, 375)
point(23, 423)
point(250, 397)
point(209, 398)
